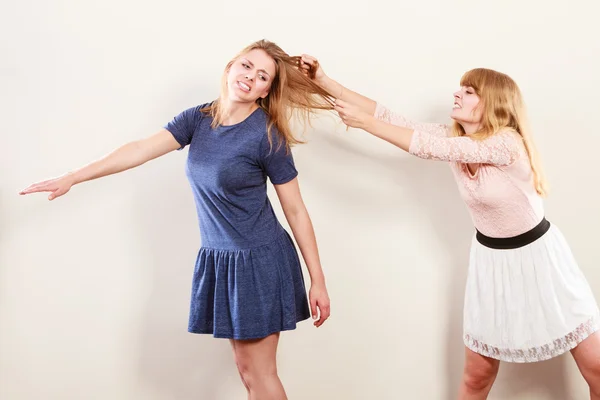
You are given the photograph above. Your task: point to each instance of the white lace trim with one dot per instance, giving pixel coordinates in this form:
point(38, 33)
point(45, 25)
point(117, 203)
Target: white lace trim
point(535, 354)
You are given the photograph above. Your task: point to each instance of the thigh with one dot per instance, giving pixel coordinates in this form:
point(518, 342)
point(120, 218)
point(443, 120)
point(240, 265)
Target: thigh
point(479, 365)
point(256, 353)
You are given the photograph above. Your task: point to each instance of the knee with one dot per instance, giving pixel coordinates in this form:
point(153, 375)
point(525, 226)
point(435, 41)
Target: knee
point(592, 376)
point(244, 367)
point(479, 377)
point(245, 370)
point(253, 373)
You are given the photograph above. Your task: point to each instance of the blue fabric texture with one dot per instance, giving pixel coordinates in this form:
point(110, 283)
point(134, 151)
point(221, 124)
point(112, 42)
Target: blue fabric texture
point(248, 281)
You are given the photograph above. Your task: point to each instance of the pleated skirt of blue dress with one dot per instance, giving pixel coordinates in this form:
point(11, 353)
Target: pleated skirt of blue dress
point(248, 293)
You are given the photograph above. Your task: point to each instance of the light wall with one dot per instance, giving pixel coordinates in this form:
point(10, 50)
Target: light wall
point(94, 287)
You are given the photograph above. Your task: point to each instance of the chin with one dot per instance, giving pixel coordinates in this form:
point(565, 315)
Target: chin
point(234, 96)
point(455, 115)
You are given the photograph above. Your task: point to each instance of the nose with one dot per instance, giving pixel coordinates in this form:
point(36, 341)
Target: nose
point(457, 95)
point(249, 77)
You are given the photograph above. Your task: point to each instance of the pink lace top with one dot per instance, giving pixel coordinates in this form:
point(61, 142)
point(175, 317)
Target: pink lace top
point(500, 196)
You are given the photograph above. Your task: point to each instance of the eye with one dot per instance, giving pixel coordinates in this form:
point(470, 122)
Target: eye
point(262, 77)
point(245, 65)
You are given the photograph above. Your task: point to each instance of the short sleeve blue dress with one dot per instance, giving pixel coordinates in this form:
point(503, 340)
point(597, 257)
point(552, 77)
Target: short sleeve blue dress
point(248, 281)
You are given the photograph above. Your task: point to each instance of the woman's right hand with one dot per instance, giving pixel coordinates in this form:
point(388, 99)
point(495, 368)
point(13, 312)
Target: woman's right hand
point(57, 186)
point(365, 104)
point(310, 62)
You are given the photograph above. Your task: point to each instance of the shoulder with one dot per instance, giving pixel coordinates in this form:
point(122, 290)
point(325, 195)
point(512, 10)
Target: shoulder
point(509, 141)
point(202, 111)
point(258, 122)
point(259, 126)
point(509, 136)
point(200, 115)
point(195, 113)
point(271, 141)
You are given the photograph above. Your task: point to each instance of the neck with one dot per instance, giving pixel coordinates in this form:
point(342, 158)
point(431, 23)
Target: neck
point(235, 112)
point(470, 128)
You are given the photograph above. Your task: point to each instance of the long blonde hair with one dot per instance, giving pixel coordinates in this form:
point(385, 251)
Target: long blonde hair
point(292, 92)
point(503, 107)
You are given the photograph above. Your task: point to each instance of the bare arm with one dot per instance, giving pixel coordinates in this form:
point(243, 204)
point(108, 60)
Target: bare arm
point(386, 115)
point(302, 228)
point(502, 148)
point(397, 135)
point(366, 104)
point(128, 156)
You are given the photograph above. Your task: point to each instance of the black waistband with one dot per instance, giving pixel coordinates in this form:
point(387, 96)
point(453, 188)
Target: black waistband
point(516, 241)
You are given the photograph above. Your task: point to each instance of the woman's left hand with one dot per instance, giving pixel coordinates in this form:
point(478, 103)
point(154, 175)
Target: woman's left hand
point(319, 299)
point(351, 115)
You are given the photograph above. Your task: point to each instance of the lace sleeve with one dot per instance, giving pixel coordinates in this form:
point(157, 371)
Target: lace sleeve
point(382, 113)
point(502, 148)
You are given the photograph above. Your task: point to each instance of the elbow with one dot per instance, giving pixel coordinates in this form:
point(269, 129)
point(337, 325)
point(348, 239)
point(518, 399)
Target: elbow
point(140, 152)
point(295, 213)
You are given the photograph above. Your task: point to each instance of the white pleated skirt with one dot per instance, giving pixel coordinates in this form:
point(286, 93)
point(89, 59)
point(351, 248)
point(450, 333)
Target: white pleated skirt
point(527, 304)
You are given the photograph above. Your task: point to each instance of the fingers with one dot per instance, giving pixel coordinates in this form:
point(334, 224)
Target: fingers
point(305, 69)
point(341, 113)
point(309, 59)
point(346, 112)
point(308, 69)
point(35, 188)
point(325, 312)
point(52, 186)
point(341, 103)
point(313, 308)
point(56, 193)
point(343, 118)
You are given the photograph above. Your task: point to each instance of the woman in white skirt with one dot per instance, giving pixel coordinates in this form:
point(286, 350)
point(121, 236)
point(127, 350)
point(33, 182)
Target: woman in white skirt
point(526, 298)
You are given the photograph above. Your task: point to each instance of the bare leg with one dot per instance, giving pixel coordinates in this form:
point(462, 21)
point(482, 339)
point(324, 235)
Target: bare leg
point(238, 366)
point(587, 357)
point(256, 361)
point(478, 376)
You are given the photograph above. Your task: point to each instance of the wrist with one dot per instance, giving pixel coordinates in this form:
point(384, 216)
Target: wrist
point(72, 178)
point(330, 85)
point(317, 281)
point(369, 122)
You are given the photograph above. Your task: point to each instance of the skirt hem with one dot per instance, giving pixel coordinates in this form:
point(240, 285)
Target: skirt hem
point(540, 353)
point(264, 334)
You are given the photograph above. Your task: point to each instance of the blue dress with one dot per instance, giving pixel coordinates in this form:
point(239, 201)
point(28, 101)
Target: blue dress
point(247, 282)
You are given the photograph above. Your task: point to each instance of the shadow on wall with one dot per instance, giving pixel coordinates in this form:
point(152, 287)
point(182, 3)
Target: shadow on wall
point(431, 184)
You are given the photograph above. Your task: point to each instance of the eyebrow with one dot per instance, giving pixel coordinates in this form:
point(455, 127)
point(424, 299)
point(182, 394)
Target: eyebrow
point(252, 64)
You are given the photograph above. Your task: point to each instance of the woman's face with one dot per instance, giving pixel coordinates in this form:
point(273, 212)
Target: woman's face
point(466, 109)
point(250, 77)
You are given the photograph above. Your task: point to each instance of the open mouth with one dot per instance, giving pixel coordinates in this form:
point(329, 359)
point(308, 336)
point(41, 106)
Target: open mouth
point(244, 87)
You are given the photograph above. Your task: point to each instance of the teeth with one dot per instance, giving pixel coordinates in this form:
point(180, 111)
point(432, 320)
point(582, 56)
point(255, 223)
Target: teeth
point(456, 106)
point(244, 86)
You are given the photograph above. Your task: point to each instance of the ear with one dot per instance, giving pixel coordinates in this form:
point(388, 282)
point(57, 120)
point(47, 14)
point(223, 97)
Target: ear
point(228, 66)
